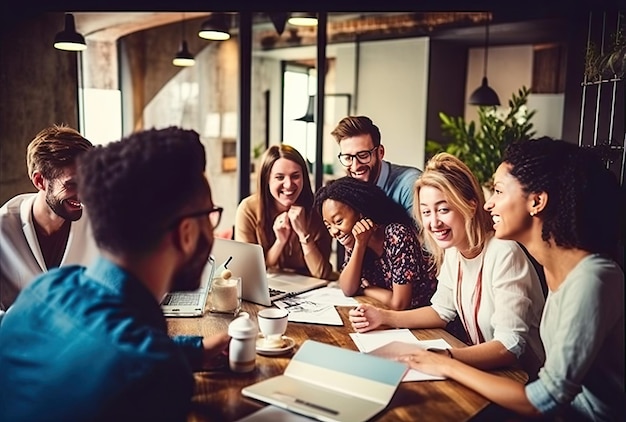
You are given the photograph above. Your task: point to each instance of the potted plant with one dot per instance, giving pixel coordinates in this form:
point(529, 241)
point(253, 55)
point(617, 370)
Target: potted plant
point(481, 146)
point(257, 152)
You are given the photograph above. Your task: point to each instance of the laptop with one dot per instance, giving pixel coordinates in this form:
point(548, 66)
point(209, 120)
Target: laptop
point(330, 383)
point(190, 303)
point(259, 286)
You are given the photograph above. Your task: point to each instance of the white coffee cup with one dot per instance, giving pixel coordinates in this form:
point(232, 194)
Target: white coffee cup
point(273, 324)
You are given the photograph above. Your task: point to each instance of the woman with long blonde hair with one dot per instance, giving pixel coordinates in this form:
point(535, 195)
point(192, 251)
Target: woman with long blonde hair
point(566, 207)
point(488, 284)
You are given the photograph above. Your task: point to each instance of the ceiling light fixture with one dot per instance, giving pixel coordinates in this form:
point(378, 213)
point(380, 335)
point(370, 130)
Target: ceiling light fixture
point(69, 39)
point(485, 95)
point(303, 19)
point(279, 19)
point(183, 58)
point(215, 28)
point(309, 116)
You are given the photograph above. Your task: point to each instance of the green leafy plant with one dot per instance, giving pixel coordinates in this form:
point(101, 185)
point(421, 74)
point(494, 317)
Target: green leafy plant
point(481, 146)
point(258, 150)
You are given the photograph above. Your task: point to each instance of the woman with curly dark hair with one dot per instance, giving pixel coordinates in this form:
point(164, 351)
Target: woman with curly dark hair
point(383, 256)
point(562, 203)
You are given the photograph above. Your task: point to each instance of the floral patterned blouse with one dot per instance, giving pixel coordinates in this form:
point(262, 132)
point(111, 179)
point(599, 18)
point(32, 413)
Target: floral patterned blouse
point(403, 261)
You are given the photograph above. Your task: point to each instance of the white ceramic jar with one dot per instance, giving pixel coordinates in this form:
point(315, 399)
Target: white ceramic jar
point(242, 349)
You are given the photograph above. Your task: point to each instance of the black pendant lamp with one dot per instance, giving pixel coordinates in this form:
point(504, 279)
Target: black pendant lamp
point(69, 39)
point(309, 116)
point(485, 95)
point(279, 19)
point(216, 27)
point(183, 58)
point(302, 19)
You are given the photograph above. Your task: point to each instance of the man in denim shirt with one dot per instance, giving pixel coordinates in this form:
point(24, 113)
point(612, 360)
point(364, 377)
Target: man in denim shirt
point(91, 343)
point(361, 153)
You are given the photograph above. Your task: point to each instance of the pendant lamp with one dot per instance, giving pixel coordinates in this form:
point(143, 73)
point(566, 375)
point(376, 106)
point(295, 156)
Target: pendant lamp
point(69, 39)
point(215, 28)
point(303, 19)
point(279, 20)
point(484, 95)
point(309, 116)
point(183, 58)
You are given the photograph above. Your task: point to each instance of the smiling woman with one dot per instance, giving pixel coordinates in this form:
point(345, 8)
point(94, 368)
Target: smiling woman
point(383, 256)
point(279, 216)
point(486, 285)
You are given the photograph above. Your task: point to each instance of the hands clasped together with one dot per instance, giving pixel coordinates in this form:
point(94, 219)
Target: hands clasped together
point(292, 219)
point(365, 318)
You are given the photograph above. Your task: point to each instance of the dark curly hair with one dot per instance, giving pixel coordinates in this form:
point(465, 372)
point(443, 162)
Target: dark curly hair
point(134, 189)
point(586, 204)
point(367, 199)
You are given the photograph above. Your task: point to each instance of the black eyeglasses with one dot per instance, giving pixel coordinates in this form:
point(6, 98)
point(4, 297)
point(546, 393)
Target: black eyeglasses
point(215, 216)
point(362, 157)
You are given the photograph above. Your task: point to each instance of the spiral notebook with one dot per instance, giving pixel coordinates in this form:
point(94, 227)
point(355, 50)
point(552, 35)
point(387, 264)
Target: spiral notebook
point(259, 286)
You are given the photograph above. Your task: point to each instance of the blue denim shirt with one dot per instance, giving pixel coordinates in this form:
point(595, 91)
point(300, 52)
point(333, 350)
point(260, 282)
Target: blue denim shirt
point(91, 344)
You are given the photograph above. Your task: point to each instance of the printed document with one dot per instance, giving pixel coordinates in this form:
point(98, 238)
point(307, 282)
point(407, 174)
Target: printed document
point(395, 342)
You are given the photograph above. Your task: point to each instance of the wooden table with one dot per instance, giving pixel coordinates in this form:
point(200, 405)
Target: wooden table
point(218, 393)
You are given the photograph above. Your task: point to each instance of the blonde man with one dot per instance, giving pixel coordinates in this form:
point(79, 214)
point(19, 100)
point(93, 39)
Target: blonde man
point(46, 229)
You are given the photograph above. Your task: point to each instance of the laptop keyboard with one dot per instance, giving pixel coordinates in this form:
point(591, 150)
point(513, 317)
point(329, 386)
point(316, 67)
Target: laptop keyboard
point(275, 292)
point(182, 299)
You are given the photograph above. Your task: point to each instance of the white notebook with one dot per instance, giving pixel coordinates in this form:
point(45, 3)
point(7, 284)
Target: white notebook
point(329, 383)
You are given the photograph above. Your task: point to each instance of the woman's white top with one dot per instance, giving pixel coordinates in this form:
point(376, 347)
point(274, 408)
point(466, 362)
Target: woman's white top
point(506, 308)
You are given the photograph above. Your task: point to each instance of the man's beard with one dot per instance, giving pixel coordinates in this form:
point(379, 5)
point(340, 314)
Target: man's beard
point(372, 174)
point(56, 205)
point(188, 277)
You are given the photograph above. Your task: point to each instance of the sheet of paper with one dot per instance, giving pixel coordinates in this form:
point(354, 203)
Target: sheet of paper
point(372, 340)
point(329, 295)
point(274, 414)
point(301, 310)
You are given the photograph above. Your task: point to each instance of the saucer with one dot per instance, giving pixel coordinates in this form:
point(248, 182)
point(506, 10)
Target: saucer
point(289, 343)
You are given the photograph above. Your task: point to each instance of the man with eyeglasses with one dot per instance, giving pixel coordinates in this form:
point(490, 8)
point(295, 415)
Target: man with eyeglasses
point(91, 343)
point(47, 229)
point(361, 153)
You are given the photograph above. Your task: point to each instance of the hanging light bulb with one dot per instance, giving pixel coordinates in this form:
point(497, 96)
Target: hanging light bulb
point(183, 58)
point(303, 19)
point(69, 39)
point(215, 28)
point(484, 95)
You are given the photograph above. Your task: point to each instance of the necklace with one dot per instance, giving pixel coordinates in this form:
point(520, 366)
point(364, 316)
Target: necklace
point(476, 337)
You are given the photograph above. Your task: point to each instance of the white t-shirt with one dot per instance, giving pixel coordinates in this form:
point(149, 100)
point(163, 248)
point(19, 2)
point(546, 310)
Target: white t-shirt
point(21, 259)
point(511, 298)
